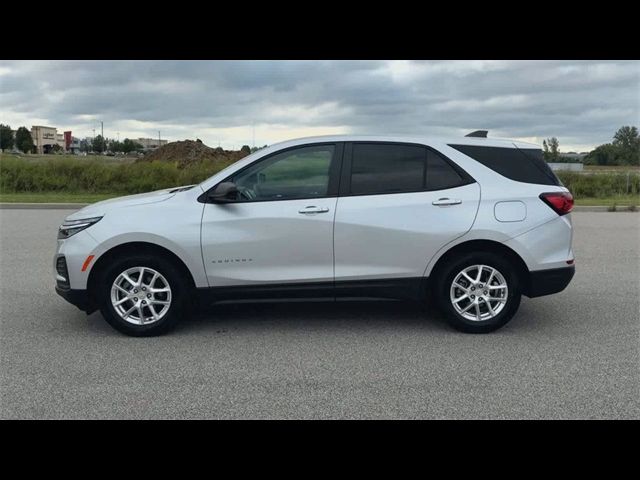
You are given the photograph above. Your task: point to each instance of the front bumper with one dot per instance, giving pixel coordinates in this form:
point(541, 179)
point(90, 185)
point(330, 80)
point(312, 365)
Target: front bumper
point(546, 282)
point(79, 298)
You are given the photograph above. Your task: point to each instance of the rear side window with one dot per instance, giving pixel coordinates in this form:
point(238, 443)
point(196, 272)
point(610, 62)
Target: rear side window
point(382, 168)
point(521, 165)
point(378, 168)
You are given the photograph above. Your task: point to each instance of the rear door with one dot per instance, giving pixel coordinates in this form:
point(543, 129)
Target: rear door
point(399, 204)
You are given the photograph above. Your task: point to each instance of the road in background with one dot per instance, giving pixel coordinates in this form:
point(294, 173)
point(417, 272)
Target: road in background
point(571, 355)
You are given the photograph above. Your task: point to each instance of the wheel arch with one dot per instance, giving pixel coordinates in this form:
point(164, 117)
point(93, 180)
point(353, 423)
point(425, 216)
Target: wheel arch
point(483, 246)
point(131, 248)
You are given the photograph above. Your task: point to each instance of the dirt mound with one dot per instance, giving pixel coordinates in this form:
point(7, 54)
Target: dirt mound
point(188, 152)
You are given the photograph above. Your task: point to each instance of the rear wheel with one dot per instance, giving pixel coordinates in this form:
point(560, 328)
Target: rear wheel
point(143, 295)
point(479, 292)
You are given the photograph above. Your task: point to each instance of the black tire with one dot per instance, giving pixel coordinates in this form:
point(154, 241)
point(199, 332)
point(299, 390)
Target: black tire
point(446, 276)
point(180, 291)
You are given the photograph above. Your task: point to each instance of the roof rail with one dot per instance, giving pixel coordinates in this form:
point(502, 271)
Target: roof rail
point(478, 133)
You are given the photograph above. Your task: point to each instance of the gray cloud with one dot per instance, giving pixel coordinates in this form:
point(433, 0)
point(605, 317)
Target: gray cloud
point(580, 102)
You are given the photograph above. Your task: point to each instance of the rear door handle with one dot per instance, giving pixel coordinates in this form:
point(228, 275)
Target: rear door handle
point(312, 210)
point(443, 202)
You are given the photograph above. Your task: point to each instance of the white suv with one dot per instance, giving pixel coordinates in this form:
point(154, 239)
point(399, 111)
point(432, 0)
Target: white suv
point(471, 223)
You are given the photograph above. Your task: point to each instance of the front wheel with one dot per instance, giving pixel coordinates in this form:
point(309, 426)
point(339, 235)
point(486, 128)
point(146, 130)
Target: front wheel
point(143, 295)
point(479, 292)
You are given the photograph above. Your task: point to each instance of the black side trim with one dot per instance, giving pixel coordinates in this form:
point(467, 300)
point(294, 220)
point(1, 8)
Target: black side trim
point(79, 298)
point(546, 282)
point(393, 288)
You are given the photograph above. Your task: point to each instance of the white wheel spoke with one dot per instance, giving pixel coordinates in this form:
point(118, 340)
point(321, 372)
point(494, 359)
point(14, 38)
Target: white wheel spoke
point(457, 300)
point(493, 272)
point(159, 302)
point(121, 301)
point(461, 287)
point(153, 312)
point(128, 279)
point(480, 267)
point(159, 290)
point(497, 287)
point(478, 311)
point(126, 314)
point(488, 304)
point(123, 290)
point(140, 314)
point(468, 307)
point(465, 275)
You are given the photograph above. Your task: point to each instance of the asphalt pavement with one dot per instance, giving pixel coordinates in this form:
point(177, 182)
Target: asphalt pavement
point(571, 355)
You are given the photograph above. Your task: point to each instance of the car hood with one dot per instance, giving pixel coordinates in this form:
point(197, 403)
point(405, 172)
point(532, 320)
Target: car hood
point(100, 208)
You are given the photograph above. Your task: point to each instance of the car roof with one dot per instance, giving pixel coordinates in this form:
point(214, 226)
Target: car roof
point(479, 141)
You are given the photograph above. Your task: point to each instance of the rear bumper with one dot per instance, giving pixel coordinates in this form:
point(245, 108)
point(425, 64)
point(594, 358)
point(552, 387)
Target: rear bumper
point(79, 298)
point(546, 282)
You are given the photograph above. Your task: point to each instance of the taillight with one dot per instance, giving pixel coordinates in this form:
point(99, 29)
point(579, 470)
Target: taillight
point(560, 202)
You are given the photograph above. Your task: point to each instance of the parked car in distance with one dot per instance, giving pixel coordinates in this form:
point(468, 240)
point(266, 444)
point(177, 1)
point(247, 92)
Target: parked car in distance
point(472, 223)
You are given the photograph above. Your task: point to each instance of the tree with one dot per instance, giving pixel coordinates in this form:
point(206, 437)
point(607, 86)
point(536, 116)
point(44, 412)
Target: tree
point(129, 146)
point(627, 141)
point(244, 151)
point(99, 144)
point(115, 146)
point(6, 137)
point(24, 142)
point(551, 147)
point(85, 145)
point(606, 154)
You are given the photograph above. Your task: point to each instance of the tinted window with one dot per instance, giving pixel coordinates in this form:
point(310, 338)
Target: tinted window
point(385, 168)
point(525, 165)
point(297, 173)
point(440, 174)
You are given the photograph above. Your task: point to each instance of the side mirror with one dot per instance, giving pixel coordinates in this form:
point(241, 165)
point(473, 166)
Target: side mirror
point(225, 192)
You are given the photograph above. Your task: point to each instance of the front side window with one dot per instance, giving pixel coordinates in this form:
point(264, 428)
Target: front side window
point(297, 173)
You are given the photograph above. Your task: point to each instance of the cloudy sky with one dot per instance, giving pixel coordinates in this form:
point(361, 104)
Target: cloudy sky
point(228, 102)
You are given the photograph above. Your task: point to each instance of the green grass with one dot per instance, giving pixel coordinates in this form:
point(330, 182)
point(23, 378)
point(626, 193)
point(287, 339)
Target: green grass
point(619, 200)
point(55, 197)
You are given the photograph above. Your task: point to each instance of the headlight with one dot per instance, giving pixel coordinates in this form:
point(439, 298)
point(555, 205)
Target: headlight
point(71, 227)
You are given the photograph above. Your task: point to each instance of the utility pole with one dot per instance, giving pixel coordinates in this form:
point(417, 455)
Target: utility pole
point(102, 130)
point(158, 138)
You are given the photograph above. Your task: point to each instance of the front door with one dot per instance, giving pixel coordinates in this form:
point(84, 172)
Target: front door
point(281, 228)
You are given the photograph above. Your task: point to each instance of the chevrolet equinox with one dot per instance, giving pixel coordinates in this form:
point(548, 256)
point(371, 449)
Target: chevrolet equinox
point(469, 224)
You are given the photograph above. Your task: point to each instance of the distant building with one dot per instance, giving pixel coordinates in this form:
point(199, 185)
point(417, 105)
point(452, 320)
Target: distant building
point(574, 155)
point(45, 138)
point(574, 167)
point(150, 143)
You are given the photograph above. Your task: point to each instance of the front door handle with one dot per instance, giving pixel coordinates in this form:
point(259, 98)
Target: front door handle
point(443, 202)
point(312, 210)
